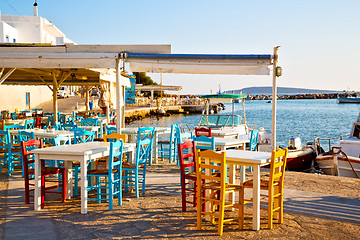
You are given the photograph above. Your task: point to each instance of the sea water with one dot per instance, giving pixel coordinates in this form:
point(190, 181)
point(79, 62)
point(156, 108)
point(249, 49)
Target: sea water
point(307, 119)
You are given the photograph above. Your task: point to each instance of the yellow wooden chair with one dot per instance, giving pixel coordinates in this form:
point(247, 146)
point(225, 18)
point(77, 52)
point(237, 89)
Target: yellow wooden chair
point(111, 138)
point(209, 161)
point(114, 137)
point(274, 185)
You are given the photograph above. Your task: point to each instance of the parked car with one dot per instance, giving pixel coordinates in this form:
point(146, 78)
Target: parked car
point(95, 92)
point(63, 92)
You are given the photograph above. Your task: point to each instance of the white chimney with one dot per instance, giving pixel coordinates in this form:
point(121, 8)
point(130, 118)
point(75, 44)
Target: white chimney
point(35, 9)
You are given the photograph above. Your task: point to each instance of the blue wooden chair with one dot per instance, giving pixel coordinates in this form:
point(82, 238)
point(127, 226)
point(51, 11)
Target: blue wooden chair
point(111, 176)
point(205, 143)
point(62, 119)
point(110, 129)
point(82, 136)
point(168, 148)
point(132, 175)
point(15, 139)
point(10, 156)
point(254, 138)
point(13, 116)
point(26, 136)
point(68, 126)
point(30, 124)
point(90, 122)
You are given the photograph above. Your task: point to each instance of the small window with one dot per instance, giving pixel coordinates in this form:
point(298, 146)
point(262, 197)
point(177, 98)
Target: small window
point(14, 40)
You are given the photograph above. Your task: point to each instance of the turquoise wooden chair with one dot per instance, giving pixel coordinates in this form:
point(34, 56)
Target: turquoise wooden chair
point(82, 136)
point(254, 138)
point(90, 122)
point(26, 136)
point(13, 116)
point(206, 143)
point(110, 176)
point(110, 129)
point(10, 156)
point(15, 139)
point(30, 124)
point(62, 119)
point(68, 126)
point(168, 148)
point(132, 175)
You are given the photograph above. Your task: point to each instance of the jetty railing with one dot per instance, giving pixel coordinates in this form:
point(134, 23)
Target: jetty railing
point(167, 101)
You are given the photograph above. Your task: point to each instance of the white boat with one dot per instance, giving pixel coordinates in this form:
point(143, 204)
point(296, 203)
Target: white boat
point(344, 158)
point(349, 99)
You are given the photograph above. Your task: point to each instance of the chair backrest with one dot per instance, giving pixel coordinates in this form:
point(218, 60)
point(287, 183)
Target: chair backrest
point(187, 152)
point(202, 131)
point(116, 151)
point(68, 126)
point(254, 138)
point(277, 168)
point(14, 127)
point(62, 119)
point(82, 136)
point(37, 122)
point(207, 163)
point(144, 144)
point(26, 147)
point(90, 122)
point(5, 141)
point(62, 140)
point(205, 143)
point(26, 136)
point(115, 137)
point(13, 116)
point(30, 124)
point(110, 129)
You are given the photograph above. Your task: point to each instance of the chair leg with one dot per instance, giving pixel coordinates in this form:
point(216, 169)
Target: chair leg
point(270, 211)
point(120, 190)
point(136, 184)
point(199, 209)
point(241, 208)
point(183, 194)
point(63, 179)
point(76, 181)
point(27, 191)
point(221, 215)
point(42, 191)
point(111, 191)
point(98, 189)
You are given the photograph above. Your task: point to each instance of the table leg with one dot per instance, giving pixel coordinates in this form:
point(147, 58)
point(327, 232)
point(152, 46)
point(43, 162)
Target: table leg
point(68, 177)
point(37, 179)
point(84, 185)
point(256, 198)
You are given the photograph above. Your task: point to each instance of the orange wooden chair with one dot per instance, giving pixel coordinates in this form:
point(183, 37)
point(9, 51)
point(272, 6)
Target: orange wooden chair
point(213, 185)
point(274, 185)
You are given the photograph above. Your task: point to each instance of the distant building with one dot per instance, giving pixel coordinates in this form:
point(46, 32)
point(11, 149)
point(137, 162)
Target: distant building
point(27, 29)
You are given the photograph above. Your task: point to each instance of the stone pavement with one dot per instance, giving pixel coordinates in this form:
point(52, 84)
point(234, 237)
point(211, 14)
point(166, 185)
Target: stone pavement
point(23, 222)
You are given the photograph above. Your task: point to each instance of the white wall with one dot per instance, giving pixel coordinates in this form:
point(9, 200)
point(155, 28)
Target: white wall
point(14, 97)
point(7, 30)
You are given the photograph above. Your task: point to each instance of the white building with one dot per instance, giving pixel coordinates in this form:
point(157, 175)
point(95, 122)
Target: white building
point(27, 29)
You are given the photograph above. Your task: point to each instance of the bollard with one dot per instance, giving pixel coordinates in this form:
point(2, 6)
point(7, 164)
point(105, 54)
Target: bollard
point(76, 106)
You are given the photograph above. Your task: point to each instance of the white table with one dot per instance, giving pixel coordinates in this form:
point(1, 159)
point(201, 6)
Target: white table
point(132, 132)
point(82, 153)
point(235, 132)
point(254, 159)
point(44, 133)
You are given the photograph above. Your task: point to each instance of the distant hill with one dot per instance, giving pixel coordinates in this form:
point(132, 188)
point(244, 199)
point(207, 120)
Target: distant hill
point(280, 90)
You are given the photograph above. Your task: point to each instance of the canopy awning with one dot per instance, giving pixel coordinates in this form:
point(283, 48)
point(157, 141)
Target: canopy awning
point(251, 64)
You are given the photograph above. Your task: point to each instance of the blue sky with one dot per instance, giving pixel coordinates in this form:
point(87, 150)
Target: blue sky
point(319, 39)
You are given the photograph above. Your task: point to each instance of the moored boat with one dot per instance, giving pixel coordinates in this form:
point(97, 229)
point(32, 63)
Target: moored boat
point(301, 160)
point(344, 157)
point(339, 164)
point(348, 99)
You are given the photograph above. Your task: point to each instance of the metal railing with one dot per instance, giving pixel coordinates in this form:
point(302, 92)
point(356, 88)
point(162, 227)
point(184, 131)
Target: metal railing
point(318, 140)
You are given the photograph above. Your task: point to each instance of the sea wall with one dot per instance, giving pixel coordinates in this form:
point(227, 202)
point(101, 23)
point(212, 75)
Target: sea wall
point(298, 96)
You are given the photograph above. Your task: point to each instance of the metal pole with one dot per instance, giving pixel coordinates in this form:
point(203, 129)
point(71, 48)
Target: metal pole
point(118, 94)
point(86, 98)
point(55, 107)
point(243, 106)
point(274, 96)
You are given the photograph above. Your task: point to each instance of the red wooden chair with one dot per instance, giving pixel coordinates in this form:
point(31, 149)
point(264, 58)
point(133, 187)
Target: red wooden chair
point(28, 159)
point(202, 131)
point(38, 122)
point(188, 174)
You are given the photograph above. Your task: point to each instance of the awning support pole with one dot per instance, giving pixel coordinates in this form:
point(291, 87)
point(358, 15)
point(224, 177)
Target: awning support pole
point(274, 97)
point(243, 106)
point(118, 92)
point(55, 89)
point(86, 98)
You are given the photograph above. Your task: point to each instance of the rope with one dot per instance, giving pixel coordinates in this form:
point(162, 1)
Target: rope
point(352, 167)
